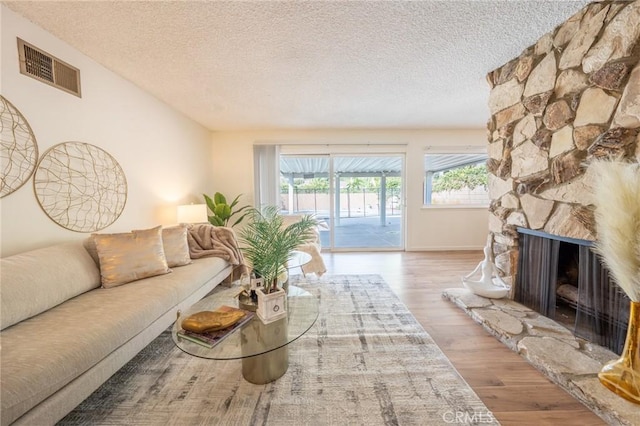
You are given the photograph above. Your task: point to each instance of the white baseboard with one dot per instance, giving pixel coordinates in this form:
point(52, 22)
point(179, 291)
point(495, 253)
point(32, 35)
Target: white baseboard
point(446, 248)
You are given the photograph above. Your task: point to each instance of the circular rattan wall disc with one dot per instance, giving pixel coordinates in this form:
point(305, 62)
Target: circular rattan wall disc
point(80, 187)
point(19, 151)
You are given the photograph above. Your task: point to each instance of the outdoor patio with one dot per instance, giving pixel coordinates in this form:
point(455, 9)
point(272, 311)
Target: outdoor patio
point(364, 232)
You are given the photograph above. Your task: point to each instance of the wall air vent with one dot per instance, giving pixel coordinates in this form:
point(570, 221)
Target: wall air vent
point(40, 65)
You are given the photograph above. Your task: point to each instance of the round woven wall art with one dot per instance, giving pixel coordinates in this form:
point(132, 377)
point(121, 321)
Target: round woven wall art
point(19, 151)
point(80, 187)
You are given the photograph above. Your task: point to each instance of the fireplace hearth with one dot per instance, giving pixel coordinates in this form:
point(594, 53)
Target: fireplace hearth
point(563, 279)
point(567, 360)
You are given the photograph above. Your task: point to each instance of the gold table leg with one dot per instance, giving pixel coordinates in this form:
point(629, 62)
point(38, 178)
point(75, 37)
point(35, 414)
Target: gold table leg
point(266, 368)
point(269, 366)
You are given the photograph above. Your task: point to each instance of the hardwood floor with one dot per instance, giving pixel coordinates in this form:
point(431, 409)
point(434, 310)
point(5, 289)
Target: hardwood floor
point(514, 391)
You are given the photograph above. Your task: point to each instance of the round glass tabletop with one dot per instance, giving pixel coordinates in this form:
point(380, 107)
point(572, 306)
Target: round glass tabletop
point(254, 337)
point(297, 259)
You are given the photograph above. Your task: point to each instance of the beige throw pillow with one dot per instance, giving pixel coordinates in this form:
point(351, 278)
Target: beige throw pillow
point(176, 247)
point(130, 256)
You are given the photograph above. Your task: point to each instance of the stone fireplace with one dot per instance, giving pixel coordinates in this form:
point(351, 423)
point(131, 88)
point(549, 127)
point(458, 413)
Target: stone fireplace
point(572, 97)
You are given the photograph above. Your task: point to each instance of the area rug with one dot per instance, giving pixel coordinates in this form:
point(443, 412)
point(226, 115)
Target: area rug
point(366, 361)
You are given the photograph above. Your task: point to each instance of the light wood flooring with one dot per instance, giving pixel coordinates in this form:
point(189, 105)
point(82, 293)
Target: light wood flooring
point(514, 391)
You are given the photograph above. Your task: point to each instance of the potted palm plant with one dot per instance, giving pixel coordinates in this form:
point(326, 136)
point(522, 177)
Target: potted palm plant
point(267, 245)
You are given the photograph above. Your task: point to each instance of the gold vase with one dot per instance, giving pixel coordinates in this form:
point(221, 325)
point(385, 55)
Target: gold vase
point(623, 375)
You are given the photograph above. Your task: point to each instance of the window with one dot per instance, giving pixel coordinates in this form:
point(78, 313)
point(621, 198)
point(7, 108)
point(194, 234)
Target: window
point(455, 179)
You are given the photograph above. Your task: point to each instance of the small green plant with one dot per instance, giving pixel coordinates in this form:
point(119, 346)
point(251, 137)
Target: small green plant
point(267, 244)
point(222, 212)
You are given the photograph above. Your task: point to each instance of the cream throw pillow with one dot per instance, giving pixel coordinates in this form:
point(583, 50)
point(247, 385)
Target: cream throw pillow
point(176, 247)
point(130, 256)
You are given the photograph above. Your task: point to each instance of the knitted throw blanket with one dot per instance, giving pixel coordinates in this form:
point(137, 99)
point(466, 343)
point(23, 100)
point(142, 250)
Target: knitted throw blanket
point(219, 241)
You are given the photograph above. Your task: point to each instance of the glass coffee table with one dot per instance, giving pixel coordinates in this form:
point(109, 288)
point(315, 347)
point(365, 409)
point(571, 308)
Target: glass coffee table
point(263, 348)
point(297, 259)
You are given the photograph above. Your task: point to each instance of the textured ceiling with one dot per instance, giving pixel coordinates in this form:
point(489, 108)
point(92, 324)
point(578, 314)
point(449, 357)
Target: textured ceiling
point(308, 65)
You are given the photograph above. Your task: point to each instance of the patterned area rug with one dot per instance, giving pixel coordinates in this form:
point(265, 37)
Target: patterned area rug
point(366, 361)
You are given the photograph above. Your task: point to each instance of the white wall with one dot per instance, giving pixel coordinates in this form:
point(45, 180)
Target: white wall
point(164, 155)
point(429, 228)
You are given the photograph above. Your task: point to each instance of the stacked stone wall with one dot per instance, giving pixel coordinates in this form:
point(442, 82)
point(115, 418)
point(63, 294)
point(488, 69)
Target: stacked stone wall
point(571, 97)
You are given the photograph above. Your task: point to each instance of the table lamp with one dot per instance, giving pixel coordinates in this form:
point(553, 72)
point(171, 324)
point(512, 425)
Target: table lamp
point(192, 213)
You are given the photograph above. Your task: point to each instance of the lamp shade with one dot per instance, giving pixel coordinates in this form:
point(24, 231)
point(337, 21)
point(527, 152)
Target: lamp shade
point(192, 213)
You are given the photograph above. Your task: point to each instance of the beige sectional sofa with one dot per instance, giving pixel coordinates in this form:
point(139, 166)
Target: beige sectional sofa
point(63, 334)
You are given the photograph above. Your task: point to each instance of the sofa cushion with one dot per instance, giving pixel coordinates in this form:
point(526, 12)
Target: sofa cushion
point(43, 354)
point(37, 280)
point(176, 247)
point(174, 242)
point(130, 256)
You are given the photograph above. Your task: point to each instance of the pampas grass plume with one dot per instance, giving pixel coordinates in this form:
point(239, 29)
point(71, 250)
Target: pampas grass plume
point(617, 215)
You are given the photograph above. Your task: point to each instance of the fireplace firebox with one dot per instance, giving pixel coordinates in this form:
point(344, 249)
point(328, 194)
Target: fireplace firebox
point(563, 279)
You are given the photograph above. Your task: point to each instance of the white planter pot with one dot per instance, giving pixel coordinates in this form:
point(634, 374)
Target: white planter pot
point(272, 306)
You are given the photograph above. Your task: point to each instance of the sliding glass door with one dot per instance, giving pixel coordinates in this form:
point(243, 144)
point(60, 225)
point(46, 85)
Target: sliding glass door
point(357, 198)
point(305, 188)
point(368, 211)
